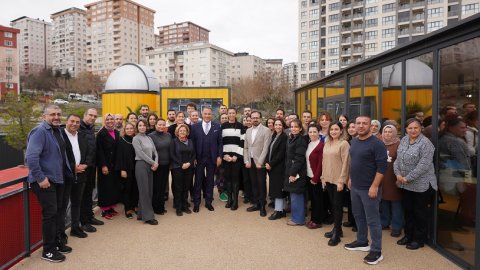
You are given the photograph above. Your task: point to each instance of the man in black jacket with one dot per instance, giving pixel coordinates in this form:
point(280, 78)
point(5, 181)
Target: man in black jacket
point(87, 218)
point(80, 158)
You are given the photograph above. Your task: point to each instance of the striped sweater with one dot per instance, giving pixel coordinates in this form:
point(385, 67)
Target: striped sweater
point(233, 137)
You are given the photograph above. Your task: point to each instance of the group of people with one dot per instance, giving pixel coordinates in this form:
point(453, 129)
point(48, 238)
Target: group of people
point(386, 182)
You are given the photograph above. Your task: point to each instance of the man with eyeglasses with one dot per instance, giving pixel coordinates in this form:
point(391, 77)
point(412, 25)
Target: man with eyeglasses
point(48, 165)
point(87, 218)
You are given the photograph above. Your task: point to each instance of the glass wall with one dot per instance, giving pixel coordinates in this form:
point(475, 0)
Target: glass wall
point(335, 98)
point(392, 92)
point(458, 148)
point(320, 98)
point(355, 107)
point(370, 93)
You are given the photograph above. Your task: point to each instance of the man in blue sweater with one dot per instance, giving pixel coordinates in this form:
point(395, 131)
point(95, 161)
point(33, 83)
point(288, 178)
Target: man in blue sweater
point(47, 163)
point(368, 157)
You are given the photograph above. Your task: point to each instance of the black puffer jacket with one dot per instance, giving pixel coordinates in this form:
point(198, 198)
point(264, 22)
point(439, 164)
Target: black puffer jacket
point(296, 164)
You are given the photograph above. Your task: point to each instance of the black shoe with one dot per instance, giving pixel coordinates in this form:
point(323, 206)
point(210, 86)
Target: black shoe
point(348, 224)
point(129, 215)
point(64, 249)
point(209, 207)
point(234, 206)
point(95, 221)
point(78, 232)
point(277, 215)
point(357, 246)
point(253, 208)
point(263, 211)
point(404, 241)
point(414, 245)
point(63, 238)
point(395, 234)
point(330, 233)
point(53, 256)
point(161, 212)
point(179, 213)
point(152, 222)
point(196, 209)
point(228, 205)
point(246, 200)
point(335, 238)
point(384, 228)
point(89, 228)
point(354, 229)
point(187, 211)
point(373, 257)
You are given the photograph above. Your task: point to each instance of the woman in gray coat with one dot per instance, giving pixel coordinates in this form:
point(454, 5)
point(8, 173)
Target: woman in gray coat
point(146, 162)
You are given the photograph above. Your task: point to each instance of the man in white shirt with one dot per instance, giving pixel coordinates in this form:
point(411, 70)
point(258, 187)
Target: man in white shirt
point(257, 140)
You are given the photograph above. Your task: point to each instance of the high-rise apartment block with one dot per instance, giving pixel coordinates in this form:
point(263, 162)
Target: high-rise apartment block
point(274, 65)
point(245, 65)
point(9, 69)
point(290, 74)
point(34, 44)
point(68, 47)
point(181, 33)
point(336, 34)
point(193, 64)
point(118, 31)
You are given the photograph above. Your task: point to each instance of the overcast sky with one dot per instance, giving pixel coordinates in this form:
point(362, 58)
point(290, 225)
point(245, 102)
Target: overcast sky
point(265, 28)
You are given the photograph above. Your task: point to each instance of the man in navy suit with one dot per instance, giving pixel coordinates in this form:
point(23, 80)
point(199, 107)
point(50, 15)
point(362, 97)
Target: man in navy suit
point(207, 139)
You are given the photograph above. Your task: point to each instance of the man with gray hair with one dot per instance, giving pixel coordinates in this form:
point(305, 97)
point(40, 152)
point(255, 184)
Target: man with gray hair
point(47, 162)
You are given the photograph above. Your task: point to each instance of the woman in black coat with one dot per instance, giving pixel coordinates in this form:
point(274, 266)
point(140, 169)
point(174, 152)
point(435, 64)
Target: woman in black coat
point(275, 166)
point(108, 177)
point(296, 172)
point(126, 166)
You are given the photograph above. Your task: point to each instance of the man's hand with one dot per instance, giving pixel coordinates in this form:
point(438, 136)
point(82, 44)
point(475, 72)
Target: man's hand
point(267, 166)
point(123, 174)
point(45, 183)
point(248, 165)
point(373, 192)
point(259, 166)
point(219, 161)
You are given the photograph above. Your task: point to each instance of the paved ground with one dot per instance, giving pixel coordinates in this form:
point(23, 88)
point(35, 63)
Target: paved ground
point(225, 239)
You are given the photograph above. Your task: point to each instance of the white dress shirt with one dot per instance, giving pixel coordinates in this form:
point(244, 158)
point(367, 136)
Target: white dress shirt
point(75, 147)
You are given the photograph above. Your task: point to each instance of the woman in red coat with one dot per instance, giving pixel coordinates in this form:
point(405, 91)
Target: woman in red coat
point(314, 157)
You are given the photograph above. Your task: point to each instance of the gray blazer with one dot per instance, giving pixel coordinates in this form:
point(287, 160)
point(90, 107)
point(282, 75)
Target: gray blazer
point(259, 148)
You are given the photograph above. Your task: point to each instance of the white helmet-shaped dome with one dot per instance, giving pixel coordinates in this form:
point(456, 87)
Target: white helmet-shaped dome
point(418, 74)
point(132, 77)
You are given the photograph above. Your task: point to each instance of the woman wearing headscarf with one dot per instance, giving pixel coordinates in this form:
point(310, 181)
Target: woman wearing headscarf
point(391, 213)
point(375, 128)
point(107, 142)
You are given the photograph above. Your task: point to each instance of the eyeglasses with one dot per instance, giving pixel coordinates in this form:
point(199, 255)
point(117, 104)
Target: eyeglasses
point(54, 114)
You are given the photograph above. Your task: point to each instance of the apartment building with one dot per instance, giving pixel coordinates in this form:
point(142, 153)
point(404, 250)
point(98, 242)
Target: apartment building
point(290, 74)
point(199, 64)
point(274, 65)
point(118, 31)
point(9, 64)
point(181, 33)
point(244, 65)
point(33, 44)
point(69, 39)
point(336, 34)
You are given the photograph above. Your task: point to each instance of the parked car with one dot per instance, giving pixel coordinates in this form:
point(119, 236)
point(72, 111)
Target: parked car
point(60, 101)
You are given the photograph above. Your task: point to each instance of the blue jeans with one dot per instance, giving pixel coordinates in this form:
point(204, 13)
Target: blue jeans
point(392, 214)
point(297, 207)
point(367, 213)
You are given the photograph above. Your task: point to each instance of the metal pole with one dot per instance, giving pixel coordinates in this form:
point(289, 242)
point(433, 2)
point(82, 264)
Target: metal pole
point(26, 218)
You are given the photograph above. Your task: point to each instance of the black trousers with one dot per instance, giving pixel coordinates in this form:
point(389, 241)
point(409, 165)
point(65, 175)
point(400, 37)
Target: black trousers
point(72, 193)
point(415, 205)
point(86, 207)
point(315, 193)
point(129, 191)
point(181, 180)
point(50, 200)
point(247, 184)
point(231, 175)
point(258, 178)
point(336, 199)
point(160, 183)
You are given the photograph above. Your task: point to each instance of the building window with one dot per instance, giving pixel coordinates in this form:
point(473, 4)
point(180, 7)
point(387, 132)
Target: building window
point(304, 4)
point(303, 25)
point(303, 67)
point(390, 32)
point(370, 47)
point(313, 44)
point(371, 22)
point(388, 7)
point(314, 66)
point(303, 14)
point(371, 11)
point(333, 52)
point(8, 43)
point(313, 56)
point(314, 34)
point(435, 12)
point(313, 13)
point(8, 34)
point(303, 45)
point(333, 18)
point(313, 23)
point(303, 35)
point(429, 2)
point(303, 56)
point(388, 20)
point(303, 77)
point(333, 63)
point(433, 26)
point(371, 1)
point(313, 76)
point(333, 29)
point(333, 40)
point(334, 6)
point(470, 8)
point(387, 45)
point(371, 35)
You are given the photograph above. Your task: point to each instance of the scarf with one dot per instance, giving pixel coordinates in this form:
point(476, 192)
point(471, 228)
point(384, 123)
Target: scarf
point(393, 140)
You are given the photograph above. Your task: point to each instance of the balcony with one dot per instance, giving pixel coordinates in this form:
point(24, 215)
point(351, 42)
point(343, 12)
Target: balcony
point(453, 13)
point(348, 17)
point(358, 50)
point(403, 6)
point(418, 17)
point(357, 27)
point(346, 40)
point(358, 39)
point(346, 6)
point(357, 4)
point(346, 52)
point(346, 29)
